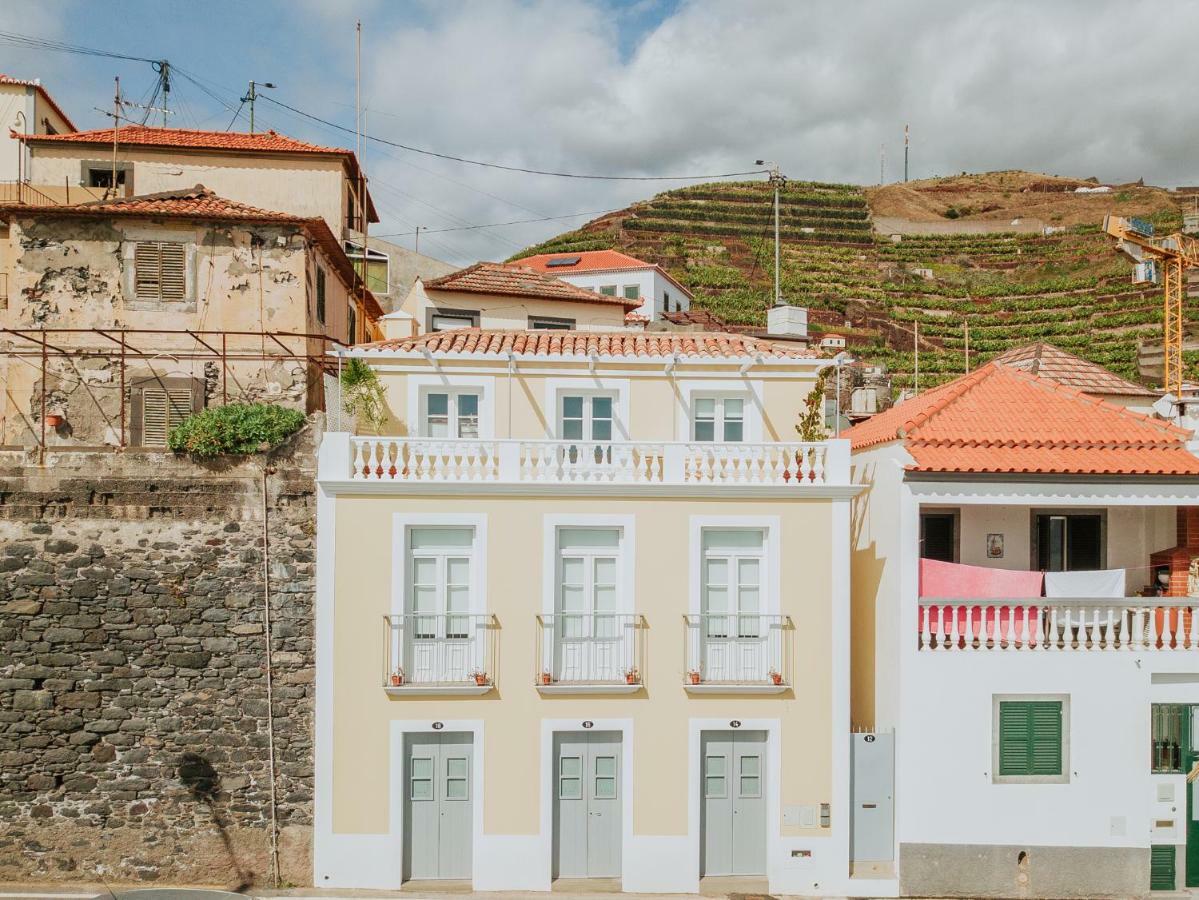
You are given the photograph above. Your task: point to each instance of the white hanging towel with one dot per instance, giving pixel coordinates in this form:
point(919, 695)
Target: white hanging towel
point(1099, 583)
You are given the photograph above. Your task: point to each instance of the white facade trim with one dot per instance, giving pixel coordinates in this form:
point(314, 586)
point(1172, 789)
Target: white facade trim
point(786, 362)
point(627, 557)
point(772, 564)
point(550, 727)
point(1131, 492)
point(419, 385)
point(527, 365)
point(697, 491)
point(401, 523)
point(586, 384)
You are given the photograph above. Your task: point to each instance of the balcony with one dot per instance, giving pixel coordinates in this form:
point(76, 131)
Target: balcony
point(518, 462)
point(738, 653)
point(590, 653)
point(439, 654)
point(1050, 625)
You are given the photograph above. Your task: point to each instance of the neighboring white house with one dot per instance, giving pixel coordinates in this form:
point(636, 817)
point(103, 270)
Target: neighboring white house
point(1024, 621)
point(616, 274)
point(25, 106)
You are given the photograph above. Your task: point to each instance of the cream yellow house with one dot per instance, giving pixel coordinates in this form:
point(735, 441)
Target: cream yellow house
point(25, 106)
point(582, 613)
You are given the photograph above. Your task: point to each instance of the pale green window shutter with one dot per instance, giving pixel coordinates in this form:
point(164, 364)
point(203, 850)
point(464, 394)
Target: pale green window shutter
point(1030, 737)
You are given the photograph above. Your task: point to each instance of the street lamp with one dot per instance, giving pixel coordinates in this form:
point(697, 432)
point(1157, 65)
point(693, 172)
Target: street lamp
point(252, 95)
point(777, 180)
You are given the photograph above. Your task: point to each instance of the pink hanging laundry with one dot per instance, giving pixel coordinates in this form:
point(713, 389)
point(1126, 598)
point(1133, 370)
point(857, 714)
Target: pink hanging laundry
point(956, 582)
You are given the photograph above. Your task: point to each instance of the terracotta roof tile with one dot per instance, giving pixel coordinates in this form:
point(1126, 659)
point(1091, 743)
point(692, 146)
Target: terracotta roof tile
point(37, 85)
point(1003, 420)
point(653, 344)
point(520, 281)
point(195, 201)
point(146, 136)
point(1052, 362)
point(591, 261)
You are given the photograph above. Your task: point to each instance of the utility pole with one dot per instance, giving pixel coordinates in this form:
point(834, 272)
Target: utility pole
point(916, 348)
point(252, 95)
point(966, 323)
point(416, 246)
point(778, 181)
point(905, 153)
point(163, 67)
point(116, 129)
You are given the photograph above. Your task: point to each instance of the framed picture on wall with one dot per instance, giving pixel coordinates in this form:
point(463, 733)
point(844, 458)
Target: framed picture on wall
point(994, 546)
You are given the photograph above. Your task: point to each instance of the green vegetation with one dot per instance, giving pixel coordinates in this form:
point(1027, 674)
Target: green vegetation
point(362, 394)
point(235, 428)
point(1068, 287)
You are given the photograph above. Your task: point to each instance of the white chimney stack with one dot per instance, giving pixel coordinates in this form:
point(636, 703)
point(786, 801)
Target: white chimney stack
point(788, 321)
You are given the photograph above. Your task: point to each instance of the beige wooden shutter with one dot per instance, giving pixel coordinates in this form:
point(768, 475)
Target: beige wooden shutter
point(159, 270)
point(162, 410)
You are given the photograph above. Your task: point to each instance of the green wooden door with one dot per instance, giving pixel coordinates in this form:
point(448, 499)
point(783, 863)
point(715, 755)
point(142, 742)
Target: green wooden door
point(1189, 755)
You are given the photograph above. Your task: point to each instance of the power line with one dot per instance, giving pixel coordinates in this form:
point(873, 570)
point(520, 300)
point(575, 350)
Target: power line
point(425, 231)
point(488, 165)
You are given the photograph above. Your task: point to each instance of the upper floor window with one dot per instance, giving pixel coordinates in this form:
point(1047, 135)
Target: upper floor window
point(160, 270)
point(666, 301)
point(320, 295)
point(550, 323)
point(586, 417)
point(378, 267)
point(588, 561)
point(718, 419)
point(351, 322)
point(608, 290)
point(440, 584)
point(632, 292)
point(1068, 543)
point(451, 414)
point(733, 560)
point(450, 319)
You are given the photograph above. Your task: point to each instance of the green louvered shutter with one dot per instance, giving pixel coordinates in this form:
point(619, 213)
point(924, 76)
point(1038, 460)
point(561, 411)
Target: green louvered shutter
point(1030, 737)
point(1161, 868)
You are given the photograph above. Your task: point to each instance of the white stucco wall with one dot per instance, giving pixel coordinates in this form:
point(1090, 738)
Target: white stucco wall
point(651, 284)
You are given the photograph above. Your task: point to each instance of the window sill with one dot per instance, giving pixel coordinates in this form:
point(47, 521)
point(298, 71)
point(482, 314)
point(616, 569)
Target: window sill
point(612, 687)
point(433, 690)
point(725, 687)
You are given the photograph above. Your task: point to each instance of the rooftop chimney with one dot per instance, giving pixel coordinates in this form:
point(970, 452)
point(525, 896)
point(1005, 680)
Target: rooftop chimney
point(787, 321)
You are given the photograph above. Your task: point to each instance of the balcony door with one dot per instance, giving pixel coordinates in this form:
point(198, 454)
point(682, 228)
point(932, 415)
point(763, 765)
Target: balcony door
point(587, 419)
point(588, 625)
point(733, 630)
point(440, 643)
point(451, 414)
point(1068, 542)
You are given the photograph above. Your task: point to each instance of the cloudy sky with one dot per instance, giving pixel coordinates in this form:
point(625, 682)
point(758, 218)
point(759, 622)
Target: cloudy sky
point(646, 87)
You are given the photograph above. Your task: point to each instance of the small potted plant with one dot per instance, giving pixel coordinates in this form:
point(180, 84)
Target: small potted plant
point(480, 678)
point(631, 676)
point(776, 677)
point(546, 677)
point(397, 678)
point(693, 676)
point(53, 420)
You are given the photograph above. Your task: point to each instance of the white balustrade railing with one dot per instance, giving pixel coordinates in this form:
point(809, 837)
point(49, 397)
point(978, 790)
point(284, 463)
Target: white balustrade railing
point(426, 649)
point(737, 648)
point(1054, 625)
point(589, 648)
point(595, 462)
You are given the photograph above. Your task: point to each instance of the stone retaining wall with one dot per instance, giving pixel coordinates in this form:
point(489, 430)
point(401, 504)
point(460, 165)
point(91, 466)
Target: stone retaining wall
point(133, 710)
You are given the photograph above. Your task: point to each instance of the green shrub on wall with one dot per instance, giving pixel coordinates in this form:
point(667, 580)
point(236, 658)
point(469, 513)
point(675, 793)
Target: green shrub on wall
point(235, 428)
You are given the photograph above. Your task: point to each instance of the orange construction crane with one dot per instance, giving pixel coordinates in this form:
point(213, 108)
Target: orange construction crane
point(1161, 258)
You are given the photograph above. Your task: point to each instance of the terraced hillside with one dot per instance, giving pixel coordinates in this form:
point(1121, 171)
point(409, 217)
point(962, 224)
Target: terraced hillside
point(1067, 287)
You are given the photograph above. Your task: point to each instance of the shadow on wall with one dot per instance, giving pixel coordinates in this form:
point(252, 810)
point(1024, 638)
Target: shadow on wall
point(200, 777)
point(866, 575)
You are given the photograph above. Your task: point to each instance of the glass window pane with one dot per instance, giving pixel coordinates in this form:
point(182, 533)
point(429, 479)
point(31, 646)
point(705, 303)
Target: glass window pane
point(605, 765)
point(751, 765)
point(601, 407)
point(455, 767)
point(571, 766)
point(572, 429)
point(572, 599)
point(608, 290)
point(434, 538)
point(572, 407)
point(438, 404)
point(457, 571)
point(750, 601)
point(705, 431)
point(605, 570)
point(570, 789)
point(422, 767)
point(424, 599)
point(588, 538)
point(605, 599)
point(715, 765)
point(455, 788)
point(424, 570)
point(714, 786)
point(747, 572)
point(457, 600)
point(716, 572)
point(705, 408)
point(750, 786)
point(734, 431)
point(468, 404)
point(733, 538)
point(601, 430)
point(422, 789)
point(605, 788)
point(437, 426)
point(573, 570)
point(632, 292)
point(734, 408)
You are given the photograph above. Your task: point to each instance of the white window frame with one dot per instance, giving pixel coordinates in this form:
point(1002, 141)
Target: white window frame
point(420, 386)
point(404, 523)
point(625, 557)
point(733, 570)
point(770, 574)
point(557, 388)
point(130, 238)
point(753, 421)
point(719, 419)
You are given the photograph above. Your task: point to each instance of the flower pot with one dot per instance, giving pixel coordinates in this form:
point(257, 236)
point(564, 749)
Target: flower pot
point(481, 679)
point(693, 677)
point(776, 677)
point(55, 419)
point(630, 677)
point(397, 679)
point(546, 678)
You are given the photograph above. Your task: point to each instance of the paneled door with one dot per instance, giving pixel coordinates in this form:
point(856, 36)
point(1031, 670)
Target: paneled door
point(438, 800)
point(587, 805)
point(733, 802)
